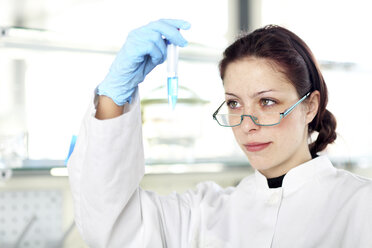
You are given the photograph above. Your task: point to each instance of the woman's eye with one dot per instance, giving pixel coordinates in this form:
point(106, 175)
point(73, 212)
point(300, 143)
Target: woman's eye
point(267, 102)
point(233, 104)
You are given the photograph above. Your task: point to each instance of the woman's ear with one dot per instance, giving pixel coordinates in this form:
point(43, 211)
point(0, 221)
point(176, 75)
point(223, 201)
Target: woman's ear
point(313, 105)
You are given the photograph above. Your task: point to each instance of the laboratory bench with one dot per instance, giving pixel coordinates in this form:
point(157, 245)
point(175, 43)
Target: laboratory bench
point(37, 209)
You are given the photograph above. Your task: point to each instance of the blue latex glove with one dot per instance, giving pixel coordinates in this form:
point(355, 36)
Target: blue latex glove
point(144, 49)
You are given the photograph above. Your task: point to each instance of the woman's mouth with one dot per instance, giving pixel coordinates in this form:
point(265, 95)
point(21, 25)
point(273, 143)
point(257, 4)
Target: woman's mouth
point(256, 147)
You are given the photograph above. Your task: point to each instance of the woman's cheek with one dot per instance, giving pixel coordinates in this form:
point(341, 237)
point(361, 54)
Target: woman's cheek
point(289, 131)
point(236, 133)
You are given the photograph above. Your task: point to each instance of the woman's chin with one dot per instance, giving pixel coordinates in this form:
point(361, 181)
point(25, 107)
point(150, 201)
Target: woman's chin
point(260, 163)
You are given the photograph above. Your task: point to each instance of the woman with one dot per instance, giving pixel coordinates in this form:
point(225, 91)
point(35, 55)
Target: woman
point(275, 102)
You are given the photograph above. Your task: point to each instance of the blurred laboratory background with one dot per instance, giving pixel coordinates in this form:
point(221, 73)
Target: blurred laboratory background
point(54, 53)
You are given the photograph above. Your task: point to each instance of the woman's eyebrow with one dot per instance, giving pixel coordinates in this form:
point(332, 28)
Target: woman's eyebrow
point(253, 95)
point(262, 92)
point(231, 94)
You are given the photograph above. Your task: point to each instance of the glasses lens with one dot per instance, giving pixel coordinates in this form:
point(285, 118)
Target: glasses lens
point(228, 120)
point(267, 118)
point(229, 117)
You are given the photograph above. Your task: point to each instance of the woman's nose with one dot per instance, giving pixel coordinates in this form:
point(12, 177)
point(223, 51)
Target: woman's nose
point(248, 124)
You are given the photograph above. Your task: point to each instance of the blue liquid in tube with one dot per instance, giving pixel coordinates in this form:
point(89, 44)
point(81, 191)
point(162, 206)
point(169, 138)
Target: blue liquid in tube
point(172, 91)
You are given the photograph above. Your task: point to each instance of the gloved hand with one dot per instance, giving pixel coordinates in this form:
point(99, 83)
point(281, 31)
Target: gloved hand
point(144, 49)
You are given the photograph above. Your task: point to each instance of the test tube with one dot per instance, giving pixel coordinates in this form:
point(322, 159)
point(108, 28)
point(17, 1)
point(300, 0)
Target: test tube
point(172, 80)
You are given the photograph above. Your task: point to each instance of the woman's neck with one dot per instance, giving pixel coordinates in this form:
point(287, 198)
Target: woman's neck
point(285, 166)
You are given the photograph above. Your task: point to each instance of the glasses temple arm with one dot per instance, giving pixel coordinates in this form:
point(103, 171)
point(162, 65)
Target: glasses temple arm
point(291, 108)
point(215, 113)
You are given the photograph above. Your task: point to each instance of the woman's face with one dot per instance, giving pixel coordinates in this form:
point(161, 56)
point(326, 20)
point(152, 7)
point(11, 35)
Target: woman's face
point(253, 85)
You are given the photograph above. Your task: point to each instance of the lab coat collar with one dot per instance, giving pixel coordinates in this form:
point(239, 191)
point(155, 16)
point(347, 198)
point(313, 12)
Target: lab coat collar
point(300, 175)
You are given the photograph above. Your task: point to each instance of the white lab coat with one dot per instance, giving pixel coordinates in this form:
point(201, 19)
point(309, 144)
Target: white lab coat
point(317, 206)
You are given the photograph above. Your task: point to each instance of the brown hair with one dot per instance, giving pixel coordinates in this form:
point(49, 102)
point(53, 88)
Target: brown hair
point(294, 57)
